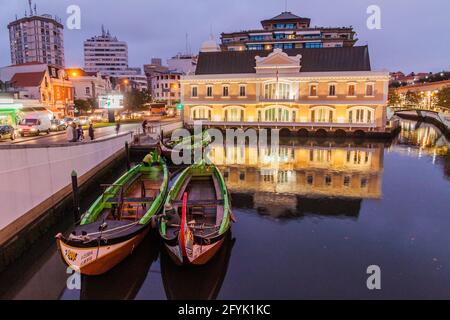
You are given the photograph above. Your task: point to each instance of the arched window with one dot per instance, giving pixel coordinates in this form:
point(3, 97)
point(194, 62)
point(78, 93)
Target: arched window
point(234, 113)
point(201, 113)
point(322, 114)
point(277, 91)
point(275, 114)
point(361, 115)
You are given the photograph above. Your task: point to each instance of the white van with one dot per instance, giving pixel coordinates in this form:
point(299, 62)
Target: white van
point(35, 124)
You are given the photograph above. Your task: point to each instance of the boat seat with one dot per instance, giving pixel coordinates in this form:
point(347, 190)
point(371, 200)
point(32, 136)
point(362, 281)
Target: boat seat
point(130, 200)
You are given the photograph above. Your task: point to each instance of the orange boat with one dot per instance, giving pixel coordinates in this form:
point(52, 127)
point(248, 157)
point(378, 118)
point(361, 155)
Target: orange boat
point(197, 215)
point(118, 220)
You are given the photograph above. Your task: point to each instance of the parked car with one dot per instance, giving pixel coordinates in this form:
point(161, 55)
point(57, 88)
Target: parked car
point(84, 121)
point(7, 131)
point(58, 125)
point(34, 125)
point(99, 115)
point(68, 121)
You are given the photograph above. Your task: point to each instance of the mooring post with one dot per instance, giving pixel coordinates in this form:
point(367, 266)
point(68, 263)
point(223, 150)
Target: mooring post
point(127, 154)
point(76, 196)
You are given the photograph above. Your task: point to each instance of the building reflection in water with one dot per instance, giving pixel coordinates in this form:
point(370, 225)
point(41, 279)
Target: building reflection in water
point(307, 177)
point(420, 139)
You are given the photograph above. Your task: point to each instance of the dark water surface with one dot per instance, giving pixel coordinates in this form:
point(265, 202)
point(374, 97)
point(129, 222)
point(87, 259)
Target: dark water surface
point(307, 227)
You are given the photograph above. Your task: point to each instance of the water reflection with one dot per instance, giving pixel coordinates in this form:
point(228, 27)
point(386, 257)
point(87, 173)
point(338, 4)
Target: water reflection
point(421, 139)
point(125, 280)
point(196, 282)
point(307, 178)
point(325, 199)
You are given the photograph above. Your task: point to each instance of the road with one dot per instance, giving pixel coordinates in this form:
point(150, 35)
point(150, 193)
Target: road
point(60, 137)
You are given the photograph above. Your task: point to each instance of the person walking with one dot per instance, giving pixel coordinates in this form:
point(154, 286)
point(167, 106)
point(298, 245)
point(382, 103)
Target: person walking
point(74, 132)
point(80, 133)
point(69, 134)
point(91, 131)
point(144, 126)
point(117, 127)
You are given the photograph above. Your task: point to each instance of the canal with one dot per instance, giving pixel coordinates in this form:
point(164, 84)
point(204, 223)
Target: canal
point(307, 228)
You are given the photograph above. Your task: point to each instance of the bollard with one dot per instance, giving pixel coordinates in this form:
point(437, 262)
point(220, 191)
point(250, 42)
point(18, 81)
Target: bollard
point(127, 154)
point(76, 196)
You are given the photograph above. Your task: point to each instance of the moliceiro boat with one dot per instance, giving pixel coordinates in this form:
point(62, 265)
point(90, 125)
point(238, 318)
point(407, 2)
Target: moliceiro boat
point(118, 220)
point(188, 144)
point(196, 216)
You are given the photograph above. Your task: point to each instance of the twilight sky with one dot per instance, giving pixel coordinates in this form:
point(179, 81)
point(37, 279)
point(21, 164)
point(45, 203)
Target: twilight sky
point(415, 34)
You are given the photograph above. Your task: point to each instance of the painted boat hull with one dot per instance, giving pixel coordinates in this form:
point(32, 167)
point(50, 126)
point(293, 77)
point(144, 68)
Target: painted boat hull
point(202, 254)
point(98, 260)
point(196, 282)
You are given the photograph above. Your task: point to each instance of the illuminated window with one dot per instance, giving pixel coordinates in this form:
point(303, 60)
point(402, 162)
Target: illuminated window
point(351, 90)
point(332, 90)
point(225, 91)
point(322, 114)
point(194, 92)
point(369, 90)
point(313, 90)
point(242, 90)
point(209, 91)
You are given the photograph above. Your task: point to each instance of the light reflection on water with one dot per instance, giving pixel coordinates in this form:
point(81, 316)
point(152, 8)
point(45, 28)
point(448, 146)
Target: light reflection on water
point(308, 225)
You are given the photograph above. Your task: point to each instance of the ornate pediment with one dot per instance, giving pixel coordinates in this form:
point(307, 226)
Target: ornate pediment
point(278, 61)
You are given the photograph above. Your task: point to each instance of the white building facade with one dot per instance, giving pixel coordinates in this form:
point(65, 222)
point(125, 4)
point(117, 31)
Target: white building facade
point(107, 55)
point(37, 38)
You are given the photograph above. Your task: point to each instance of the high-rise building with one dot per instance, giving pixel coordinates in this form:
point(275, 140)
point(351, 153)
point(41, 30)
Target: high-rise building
point(107, 55)
point(37, 38)
point(288, 31)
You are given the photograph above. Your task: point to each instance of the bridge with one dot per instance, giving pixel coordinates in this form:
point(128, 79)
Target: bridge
point(440, 119)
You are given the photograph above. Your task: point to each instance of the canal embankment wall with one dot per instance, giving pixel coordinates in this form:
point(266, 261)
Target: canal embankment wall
point(35, 186)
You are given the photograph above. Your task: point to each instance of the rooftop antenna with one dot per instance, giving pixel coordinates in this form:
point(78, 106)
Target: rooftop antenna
point(211, 36)
point(188, 47)
point(103, 30)
point(31, 7)
point(285, 5)
point(35, 10)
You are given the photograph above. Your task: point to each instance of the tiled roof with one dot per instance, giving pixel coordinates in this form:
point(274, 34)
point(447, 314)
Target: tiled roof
point(31, 63)
point(313, 60)
point(27, 79)
point(285, 16)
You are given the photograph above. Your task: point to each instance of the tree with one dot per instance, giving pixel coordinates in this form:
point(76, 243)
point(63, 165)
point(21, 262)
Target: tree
point(135, 99)
point(82, 105)
point(412, 98)
point(393, 97)
point(443, 98)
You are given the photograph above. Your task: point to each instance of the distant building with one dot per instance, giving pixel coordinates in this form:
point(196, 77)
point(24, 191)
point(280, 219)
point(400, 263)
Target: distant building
point(133, 81)
point(37, 38)
point(288, 31)
point(399, 78)
point(88, 85)
point(427, 93)
point(183, 63)
point(153, 69)
point(166, 87)
point(306, 90)
point(45, 83)
point(107, 55)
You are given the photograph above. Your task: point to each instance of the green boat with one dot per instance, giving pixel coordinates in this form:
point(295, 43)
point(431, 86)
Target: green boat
point(118, 220)
point(187, 144)
point(197, 215)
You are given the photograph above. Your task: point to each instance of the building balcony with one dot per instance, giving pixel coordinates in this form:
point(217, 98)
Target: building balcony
point(328, 126)
point(266, 99)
